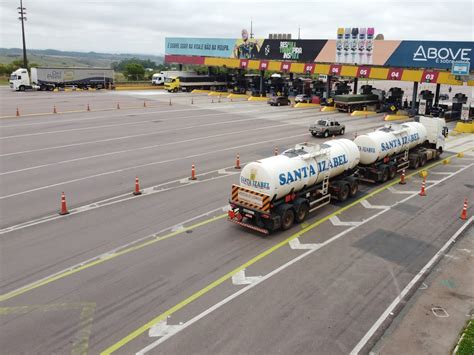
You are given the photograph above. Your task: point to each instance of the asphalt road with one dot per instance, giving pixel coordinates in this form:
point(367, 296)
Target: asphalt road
point(86, 281)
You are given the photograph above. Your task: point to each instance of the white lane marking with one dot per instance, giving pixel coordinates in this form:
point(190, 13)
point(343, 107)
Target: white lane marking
point(395, 191)
point(277, 270)
point(368, 205)
point(239, 278)
point(430, 181)
point(130, 136)
point(163, 328)
point(150, 164)
point(130, 114)
point(296, 245)
point(109, 201)
point(337, 222)
point(138, 149)
point(177, 227)
point(107, 254)
point(407, 289)
point(440, 173)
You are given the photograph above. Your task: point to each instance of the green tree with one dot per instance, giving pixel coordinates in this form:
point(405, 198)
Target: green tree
point(134, 71)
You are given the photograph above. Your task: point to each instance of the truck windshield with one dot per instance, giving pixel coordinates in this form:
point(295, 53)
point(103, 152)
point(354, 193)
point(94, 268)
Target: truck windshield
point(322, 123)
point(12, 77)
point(169, 80)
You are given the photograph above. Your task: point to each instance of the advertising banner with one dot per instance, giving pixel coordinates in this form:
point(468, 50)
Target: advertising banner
point(431, 54)
point(355, 45)
point(297, 50)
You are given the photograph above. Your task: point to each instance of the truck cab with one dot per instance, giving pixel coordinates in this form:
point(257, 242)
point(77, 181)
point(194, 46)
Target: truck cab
point(158, 79)
point(172, 84)
point(436, 131)
point(20, 80)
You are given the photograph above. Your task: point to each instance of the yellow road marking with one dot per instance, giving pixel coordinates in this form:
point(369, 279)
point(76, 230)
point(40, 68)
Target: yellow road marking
point(64, 274)
point(80, 344)
point(136, 333)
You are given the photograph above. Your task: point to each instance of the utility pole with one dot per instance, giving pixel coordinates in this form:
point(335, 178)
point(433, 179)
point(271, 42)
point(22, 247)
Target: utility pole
point(299, 29)
point(251, 28)
point(22, 18)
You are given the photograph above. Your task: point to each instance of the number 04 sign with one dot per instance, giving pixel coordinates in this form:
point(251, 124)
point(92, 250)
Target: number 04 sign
point(395, 74)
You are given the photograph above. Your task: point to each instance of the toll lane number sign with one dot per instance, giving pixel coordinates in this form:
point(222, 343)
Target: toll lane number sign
point(395, 74)
point(429, 76)
point(335, 70)
point(363, 72)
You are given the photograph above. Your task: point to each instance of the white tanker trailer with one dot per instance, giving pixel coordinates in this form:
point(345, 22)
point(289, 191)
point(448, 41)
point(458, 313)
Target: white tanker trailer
point(276, 192)
point(392, 149)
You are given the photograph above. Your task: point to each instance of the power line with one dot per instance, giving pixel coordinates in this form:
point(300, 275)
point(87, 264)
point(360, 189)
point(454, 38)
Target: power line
point(22, 18)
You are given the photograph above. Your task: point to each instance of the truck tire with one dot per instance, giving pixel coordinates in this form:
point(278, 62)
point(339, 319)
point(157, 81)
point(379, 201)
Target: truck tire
point(287, 215)
point(415, 163)
point(385, 173)
point(22, 88)
point(175, 90)
point(314, 134)
point(344, 191)
point(278, 103)
point(392, 171)
point(302, 211)
point(354, 188)
point(326, 134)
point(423, 160)
point(341, 132)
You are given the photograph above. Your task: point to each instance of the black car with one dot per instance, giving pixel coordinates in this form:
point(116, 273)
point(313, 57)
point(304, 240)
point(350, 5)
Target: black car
point(279, 101)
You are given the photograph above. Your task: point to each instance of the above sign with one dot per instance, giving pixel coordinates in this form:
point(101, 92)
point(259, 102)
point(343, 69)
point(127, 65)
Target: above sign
point(460, 68)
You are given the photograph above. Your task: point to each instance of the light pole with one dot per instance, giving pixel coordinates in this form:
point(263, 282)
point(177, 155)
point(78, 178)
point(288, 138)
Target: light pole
point(22, 18)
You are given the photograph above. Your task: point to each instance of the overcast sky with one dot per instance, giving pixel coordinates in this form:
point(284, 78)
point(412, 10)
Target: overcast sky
point(140, 26)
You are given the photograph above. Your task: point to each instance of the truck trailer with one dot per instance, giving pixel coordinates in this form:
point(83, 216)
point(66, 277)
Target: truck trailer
point(189, 83)
point(51, 78)
point(275, 192)
point(278, 191)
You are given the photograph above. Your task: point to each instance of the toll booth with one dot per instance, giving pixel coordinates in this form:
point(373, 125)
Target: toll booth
point(428, 97)
point(342, 88)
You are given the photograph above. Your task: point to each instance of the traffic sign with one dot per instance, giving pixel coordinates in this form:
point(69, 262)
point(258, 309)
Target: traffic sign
point(395, 74)
point(460, 68)
point(429, 76)
point(335, 69)
point(263, 65)
point(363, 72)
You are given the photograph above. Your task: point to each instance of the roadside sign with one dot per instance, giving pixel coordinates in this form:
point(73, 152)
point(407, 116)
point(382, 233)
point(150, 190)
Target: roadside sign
point(460, 68)
point(395, 74)
point(465, 112)
point(429, 76)
point(335, 69)
point(363, 72)
point(263, 65)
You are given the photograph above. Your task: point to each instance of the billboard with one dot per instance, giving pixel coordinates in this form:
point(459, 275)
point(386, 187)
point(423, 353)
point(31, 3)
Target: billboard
point(243, 48)
point(431, 54)
point(355, 45)
point(301, 50)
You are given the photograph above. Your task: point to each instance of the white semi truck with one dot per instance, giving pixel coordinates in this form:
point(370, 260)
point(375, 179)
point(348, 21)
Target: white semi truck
point(276, 192)
point(51, 78)
point(394, 148)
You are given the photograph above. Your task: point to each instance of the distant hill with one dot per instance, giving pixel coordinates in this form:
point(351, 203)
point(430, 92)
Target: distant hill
point(53, 57)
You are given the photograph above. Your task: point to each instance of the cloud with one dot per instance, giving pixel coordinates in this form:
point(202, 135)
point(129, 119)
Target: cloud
point(140, 26)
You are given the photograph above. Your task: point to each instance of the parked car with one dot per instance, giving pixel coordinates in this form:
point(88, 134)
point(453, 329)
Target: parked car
point(303, 98)
point(279, 101)
point(325, 128)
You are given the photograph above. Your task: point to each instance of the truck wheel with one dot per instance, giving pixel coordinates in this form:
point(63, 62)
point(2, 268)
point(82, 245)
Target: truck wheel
point(354, 187)
point(278, 104)
point(326, 134)
point(22, 88)
point(385, 174)
point(392, 171)
point(175, 90)
point(343, 192)
point(341, 132)
point(287, 216)
point(301, 212)
point(415, 163)
point(314, 134)
point(423, 160)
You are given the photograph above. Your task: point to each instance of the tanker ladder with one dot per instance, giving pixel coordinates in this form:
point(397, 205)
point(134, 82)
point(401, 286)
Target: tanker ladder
point(326, 196)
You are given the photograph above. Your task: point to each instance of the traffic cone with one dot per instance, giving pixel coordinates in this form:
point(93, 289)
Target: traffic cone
point(54, 109)
point(64, 210)
point(276, 150)
point(193, 173)
point(355, 135)
point(118, 106)
point(17, 112)
point(333, 136)
point(170, 102)
point(464, 210)
point(237, 162)
point(144, 103)
point(137, 187)
point(402, 178)
point(366, 115)
point(422, 192)
point(192, 101)
point(212, 101)
point(219, 101)
point(88, 107)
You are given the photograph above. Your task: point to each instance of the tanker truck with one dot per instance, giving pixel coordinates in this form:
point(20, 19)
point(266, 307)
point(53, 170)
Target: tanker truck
point(394, 148)
point(276, 192)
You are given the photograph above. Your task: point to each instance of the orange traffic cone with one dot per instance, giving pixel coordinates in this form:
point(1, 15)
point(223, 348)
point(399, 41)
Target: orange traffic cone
point(212, 101)
point(170, 102)
point(192, 101)
point(237, 162)
point(464, 210)
point(88, 107)
point(118, 106)
point(422, 192)
point(137, 187)
point(17, 112)
point(402, 178)
point(276, 150)
point(355, 135)
point(144, 103)
point(64, 210)
point(54, 109)
point(193, 173)
point(333, 136)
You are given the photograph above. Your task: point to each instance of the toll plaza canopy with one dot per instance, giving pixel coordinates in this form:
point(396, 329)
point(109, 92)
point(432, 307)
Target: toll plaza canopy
point(416, 61)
